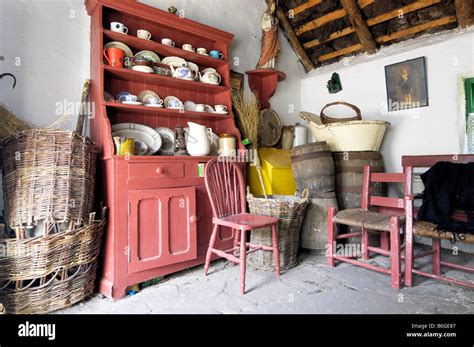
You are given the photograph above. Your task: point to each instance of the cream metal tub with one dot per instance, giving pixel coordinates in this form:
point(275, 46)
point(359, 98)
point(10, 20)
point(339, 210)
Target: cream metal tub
point(359, 135)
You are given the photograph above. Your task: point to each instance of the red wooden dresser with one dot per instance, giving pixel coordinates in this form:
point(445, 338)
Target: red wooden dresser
point(160, 215)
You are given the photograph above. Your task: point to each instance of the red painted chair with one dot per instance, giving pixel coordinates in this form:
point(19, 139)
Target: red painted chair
point(382, 214)
point(226, 189)
point(426, 229)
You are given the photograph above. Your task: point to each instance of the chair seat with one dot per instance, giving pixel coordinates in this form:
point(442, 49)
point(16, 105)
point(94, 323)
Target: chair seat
point(359, 217)
point(245, 221)
point(427, 229)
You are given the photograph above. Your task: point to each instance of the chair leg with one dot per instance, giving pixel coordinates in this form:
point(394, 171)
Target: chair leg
point(436, 256)
point(384, 241)
point(236, 234)
point(365, 243)
point(212, 241)
point(243, 260)
point(395, 252)
point(276, 250)
point(331, 242)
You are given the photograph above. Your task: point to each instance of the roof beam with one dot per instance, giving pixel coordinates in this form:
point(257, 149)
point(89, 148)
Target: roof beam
point(340, 52)
point(401, 11)
point(321, 21)
point(464, 13)
point(293, 39)
point(358, 23)
point(416, 29)
point(310, 3)
point(333, 36)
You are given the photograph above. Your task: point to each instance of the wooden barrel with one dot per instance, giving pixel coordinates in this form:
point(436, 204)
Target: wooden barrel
point(314, 232)
point(350, 174)
point(313, 168)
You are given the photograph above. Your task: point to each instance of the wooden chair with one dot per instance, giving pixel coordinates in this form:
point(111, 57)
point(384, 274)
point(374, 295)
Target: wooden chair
point(226, 190)
point(426, 229)
point(382, 214)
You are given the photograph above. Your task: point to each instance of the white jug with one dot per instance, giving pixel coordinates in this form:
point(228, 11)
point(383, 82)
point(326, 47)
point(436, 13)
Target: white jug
point(197, 142)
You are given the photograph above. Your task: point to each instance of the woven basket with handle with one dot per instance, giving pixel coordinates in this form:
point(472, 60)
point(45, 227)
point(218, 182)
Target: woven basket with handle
point(290, 211)
point(326, 120)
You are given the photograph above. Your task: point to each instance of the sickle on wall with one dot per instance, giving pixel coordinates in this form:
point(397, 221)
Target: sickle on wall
point(12, 76)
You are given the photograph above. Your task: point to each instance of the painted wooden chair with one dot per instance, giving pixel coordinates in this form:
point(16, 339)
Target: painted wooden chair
point(377, 213)
point(226, 189)
point(428, 230)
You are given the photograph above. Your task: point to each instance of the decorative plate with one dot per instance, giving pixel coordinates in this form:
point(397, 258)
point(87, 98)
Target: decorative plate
point(269, 131)
point(190, 106)
point(120, 45)
point(141, 132)
point(195, 68)
point(148, 55)
point(146, 94)
point(175, 61)
point(172, 102)
point(167, 137)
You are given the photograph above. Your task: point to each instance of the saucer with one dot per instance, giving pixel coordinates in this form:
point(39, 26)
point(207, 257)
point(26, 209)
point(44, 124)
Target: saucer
point(154, 105)
point(132, 103)
point(220, 112)
point(140, 68)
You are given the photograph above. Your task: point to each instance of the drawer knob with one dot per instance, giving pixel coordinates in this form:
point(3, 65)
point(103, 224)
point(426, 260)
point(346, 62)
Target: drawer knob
point(193, 219)
point(160, 170)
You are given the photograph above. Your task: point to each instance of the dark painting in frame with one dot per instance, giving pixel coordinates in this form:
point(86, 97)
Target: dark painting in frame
point(406, 84)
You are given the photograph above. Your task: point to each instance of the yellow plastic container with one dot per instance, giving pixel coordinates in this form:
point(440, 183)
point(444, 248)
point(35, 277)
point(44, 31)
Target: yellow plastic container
point(276, 172)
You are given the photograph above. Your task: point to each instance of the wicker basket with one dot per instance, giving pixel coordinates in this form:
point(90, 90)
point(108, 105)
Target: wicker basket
point(44, 274)
point(53, 292)
point(38, 256)
point(49, 175)
point(290, 211)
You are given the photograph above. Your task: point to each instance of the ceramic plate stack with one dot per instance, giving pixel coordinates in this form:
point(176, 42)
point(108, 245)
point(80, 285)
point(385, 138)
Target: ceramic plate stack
point(140, 132)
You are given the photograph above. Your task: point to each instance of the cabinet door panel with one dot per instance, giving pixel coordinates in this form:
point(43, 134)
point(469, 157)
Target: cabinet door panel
point(162, 227)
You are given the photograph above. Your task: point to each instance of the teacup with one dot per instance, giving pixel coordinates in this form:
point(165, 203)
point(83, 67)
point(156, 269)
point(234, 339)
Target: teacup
point(200, 107)
point(128, 97)
point(188, 47)
point(154, 101)
point(220, 108)
point(118, 27)
point(143, 34)
point(201, 51)
point(216, 54)
point(168, 42)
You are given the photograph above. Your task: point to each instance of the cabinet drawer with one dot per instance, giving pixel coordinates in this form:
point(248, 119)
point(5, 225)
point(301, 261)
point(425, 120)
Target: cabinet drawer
point(155, 170)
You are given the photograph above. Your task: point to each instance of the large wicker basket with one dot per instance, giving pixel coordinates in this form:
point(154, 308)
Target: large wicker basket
point(48, 176)
point(290, 211)
point(43, 274)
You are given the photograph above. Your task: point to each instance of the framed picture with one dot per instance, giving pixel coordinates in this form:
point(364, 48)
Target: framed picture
point(237, 81)
point(406, 84)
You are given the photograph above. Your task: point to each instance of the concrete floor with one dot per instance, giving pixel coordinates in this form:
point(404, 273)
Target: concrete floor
point(311, 287)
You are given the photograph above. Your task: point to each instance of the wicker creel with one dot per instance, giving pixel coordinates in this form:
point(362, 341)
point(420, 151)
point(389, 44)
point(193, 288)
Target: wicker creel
point(290, 212)
point(39, 256)
point(61, 271)
point(48, 175)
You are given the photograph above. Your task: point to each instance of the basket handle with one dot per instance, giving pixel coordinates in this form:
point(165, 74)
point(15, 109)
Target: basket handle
point(355, 108)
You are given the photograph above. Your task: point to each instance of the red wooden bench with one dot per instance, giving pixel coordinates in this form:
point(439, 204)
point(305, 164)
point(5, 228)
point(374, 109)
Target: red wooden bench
point(426, 229)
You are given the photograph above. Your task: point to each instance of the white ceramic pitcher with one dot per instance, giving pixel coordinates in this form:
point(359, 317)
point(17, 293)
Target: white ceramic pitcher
point(197, 142)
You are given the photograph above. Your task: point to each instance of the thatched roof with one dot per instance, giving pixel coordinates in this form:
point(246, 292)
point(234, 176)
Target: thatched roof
point(324, 31)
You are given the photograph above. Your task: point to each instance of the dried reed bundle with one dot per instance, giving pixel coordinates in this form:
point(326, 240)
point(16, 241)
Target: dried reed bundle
point(247, 106)
point(9, 123)
point(248, 111)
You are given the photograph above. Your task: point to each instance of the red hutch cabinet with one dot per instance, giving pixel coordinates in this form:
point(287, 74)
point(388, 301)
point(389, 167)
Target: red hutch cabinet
point(160, 215)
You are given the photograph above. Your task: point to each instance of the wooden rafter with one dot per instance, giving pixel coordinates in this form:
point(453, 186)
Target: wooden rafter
point(358, 23)
point(310, 3)
point(401, 11)
point(321, 21)
point(293, 39)
point(340, 52)
point(333, 36)
point(464, 13)
point(416, 29)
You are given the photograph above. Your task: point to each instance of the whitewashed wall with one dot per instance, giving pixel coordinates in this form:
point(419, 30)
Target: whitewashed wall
point(437, 128)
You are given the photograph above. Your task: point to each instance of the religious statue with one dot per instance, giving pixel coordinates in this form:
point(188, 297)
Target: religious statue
point(270, 44)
